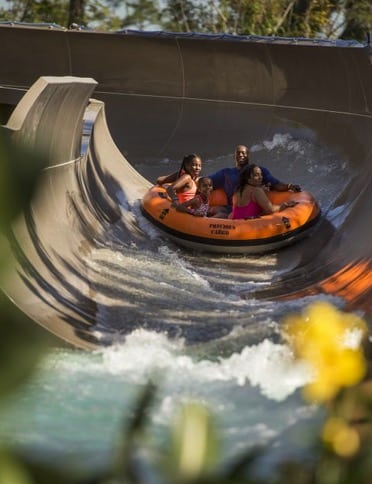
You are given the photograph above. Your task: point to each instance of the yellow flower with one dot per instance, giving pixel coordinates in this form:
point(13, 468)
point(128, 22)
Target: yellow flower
point(343, 439)
point(319, 337)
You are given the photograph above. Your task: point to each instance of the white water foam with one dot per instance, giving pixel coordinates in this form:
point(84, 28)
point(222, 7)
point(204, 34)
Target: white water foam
point(267, 365)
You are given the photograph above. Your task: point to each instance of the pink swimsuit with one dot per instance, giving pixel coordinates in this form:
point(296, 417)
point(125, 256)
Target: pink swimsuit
point(247, 211)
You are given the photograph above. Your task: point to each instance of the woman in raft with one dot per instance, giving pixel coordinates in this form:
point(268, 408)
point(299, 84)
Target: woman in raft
point(184, 187)
point(250, 199)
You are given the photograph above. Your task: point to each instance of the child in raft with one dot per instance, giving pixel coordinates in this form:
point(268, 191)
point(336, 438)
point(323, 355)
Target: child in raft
point(198, 205)
point(184, 187)
point(250, 199)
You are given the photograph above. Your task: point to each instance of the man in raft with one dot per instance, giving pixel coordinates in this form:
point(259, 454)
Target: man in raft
point(227, 178)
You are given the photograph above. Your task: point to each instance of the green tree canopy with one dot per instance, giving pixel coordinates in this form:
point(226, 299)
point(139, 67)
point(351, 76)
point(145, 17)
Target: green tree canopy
point(347, 19)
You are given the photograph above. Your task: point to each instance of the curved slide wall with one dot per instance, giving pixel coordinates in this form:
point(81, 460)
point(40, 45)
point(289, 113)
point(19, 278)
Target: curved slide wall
point(160, 91)
point(76, 201)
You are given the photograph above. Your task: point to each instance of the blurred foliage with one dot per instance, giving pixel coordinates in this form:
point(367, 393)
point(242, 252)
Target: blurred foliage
point(22, 344)
point(21, 347)
point(347, 19)
point(19, 172)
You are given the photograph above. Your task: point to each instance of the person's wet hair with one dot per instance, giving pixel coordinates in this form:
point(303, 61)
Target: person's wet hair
point(245, 174)
point(187, 159)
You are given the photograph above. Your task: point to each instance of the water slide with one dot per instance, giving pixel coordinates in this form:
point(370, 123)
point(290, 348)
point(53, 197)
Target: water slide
point(111, 108)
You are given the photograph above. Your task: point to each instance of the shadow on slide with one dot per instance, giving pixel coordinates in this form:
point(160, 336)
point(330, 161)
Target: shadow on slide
point(152, 94)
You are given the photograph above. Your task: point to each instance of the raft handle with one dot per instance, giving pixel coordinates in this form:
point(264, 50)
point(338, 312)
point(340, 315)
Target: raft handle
point(286, 222)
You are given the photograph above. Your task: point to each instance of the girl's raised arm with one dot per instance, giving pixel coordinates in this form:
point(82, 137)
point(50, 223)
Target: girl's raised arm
point(162, 180)
point(178, 185)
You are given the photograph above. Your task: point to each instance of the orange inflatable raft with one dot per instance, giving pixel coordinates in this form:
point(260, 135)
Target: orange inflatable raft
point(258, 235)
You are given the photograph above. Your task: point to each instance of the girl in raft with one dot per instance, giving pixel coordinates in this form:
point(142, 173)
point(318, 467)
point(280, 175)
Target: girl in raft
point(250, 199)
point(199, 205)
point(184, 187)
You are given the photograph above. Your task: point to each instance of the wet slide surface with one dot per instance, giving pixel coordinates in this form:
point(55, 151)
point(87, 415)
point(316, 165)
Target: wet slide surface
point(118, 110)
